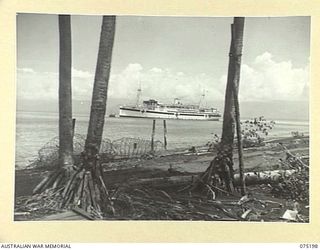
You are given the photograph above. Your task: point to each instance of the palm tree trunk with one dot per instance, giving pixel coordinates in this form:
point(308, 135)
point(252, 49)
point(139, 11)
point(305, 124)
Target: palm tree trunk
point(65, 111)
point(222, 164)
point(65, 96)
point(238, 29)
point(232, 90)
point(100, 88)
point(228, 129)
point(85, 186)
point(228, 114)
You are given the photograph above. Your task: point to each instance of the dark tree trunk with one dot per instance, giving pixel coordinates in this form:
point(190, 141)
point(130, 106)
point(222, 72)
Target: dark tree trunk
point(232, 83)
point(238, 27)
point(100, 88)
point(65, 96)
point(228, 114)
point(84, 187)
point(58, 177)
point(95, 196)
point(232, 90)
point(222, 164)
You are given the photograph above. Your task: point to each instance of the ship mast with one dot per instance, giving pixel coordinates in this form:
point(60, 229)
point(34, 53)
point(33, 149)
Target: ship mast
point(138, 95)
point(202, 98)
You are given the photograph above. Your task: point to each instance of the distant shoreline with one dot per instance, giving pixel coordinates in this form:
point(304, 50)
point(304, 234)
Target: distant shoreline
point(56, 114)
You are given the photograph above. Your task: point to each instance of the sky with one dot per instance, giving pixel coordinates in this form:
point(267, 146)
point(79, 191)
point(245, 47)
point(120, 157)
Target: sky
point(171, 57)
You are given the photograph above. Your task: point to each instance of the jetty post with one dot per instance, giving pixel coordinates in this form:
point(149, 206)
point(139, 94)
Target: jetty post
point(165, 134)
point(152, 135)
point(73, 126)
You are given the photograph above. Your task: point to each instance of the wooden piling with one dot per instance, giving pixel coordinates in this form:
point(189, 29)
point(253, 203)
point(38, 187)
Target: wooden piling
point(73, 126)
point(152, 135)
point(165, 134)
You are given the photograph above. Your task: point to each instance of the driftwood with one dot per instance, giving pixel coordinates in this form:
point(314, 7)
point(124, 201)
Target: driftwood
point(251, 178)
point(295, 159)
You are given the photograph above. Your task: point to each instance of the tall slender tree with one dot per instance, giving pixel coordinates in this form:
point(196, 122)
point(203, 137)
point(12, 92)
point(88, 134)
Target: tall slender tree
point(66, 160)
point(65, 95)
point(238, 29)
point(85, 186)
point(100, 88)
point(232, 90)
point(95, 194)
point(222, 164)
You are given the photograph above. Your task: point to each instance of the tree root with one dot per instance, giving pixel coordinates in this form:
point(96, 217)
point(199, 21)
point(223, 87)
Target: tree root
point(219, 175)
point(80, 188)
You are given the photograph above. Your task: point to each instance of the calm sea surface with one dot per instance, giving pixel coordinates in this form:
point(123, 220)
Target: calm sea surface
point(34, 129)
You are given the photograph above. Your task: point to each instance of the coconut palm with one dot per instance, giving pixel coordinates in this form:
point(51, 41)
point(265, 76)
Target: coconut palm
point(84, 185)
point(222, 164)
point(100, 88)
point(65, 110)
point(65, 96)
point(87, 188)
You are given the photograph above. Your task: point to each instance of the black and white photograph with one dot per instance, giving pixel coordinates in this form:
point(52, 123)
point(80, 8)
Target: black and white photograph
point(170, 118)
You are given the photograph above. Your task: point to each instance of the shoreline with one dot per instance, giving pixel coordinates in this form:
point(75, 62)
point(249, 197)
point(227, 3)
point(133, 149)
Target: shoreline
point(179, 161)
point(145, 179)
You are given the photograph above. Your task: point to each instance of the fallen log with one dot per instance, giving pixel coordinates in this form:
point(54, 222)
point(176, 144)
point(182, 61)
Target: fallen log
point(264, 177)
point(251, 178)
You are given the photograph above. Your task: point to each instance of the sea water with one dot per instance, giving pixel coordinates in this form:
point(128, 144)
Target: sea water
point(35, 129)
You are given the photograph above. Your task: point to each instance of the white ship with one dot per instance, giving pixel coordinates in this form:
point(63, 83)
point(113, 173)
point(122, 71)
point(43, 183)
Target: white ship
point(154, 109)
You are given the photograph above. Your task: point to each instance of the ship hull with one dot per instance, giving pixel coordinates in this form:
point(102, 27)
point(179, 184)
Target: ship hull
point(154, 114)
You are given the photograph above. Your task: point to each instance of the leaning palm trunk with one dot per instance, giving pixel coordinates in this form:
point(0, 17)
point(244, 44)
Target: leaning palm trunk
point(85, 187)
point(100, 88)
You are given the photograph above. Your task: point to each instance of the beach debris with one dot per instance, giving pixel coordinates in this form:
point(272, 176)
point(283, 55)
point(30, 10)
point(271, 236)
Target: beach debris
point(246, 213)
point(297, 206)
point(211, 193)
point(85, 214)
point(243, 199)
point(250, 215)
point(37, 205)
point(296, 185)
point(21, 213)
point(302, 218)
point(290, 215)
point(165, 203)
